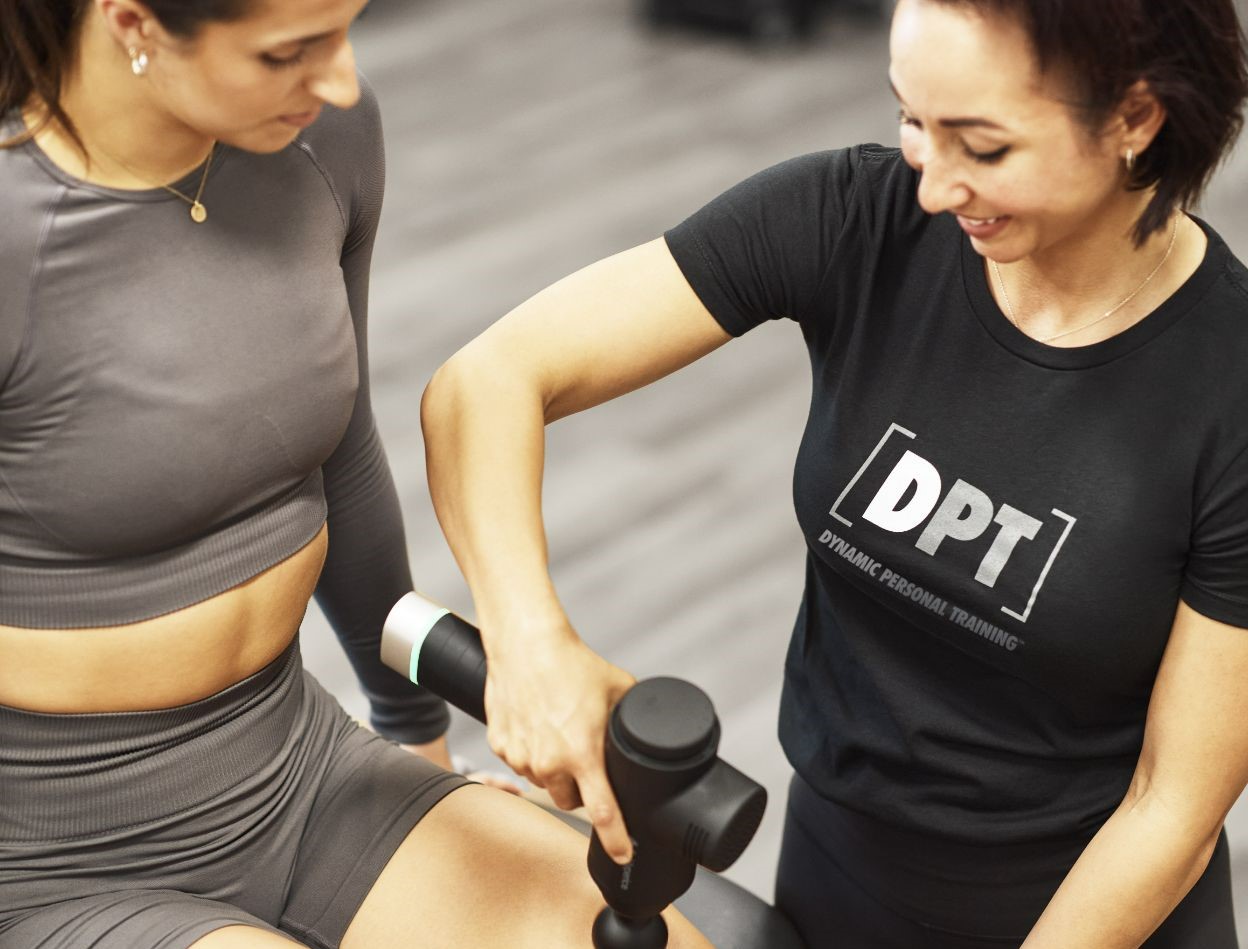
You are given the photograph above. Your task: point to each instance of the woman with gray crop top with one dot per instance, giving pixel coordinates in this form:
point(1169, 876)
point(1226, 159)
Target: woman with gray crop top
point(189, 192)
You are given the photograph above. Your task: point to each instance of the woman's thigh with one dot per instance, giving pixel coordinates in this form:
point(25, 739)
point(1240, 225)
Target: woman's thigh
point(485, 868)
point(831, 911)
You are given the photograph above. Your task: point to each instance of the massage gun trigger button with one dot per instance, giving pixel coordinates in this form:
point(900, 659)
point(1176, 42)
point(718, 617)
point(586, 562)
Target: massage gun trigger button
point(668, 719)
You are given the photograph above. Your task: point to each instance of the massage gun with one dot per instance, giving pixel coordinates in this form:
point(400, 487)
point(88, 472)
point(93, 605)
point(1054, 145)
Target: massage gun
point(682, 804)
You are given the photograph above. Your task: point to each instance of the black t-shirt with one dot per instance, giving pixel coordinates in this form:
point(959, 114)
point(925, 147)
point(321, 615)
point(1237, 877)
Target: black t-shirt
point(999, 531)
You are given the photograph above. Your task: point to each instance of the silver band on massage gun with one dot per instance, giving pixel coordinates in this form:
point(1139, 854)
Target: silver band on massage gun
point(435, 648)
point(682, 803)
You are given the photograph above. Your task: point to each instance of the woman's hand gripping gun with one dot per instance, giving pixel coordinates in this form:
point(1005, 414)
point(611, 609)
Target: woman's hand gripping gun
point(684, 806)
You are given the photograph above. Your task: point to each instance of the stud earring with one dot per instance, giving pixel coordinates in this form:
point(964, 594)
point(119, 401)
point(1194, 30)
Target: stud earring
point(138, 61)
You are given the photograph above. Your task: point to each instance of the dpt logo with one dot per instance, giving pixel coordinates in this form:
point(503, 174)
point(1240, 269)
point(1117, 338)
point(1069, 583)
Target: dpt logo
point(964, 513)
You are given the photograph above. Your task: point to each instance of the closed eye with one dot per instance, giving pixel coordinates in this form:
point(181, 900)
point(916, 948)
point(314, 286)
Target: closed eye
point(983, 158)
point(988, 158)
point(283, 62)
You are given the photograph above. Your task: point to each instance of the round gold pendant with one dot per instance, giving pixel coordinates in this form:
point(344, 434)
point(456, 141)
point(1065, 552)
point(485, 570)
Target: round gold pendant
point(199, 213)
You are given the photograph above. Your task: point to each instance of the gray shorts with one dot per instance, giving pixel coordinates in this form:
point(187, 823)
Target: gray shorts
point(262, 805)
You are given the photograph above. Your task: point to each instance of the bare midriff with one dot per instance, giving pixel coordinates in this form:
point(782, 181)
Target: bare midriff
point(166, 661)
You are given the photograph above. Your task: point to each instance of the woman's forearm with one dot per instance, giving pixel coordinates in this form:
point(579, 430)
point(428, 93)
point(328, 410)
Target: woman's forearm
point(1137, 868)
point(485, 447)
point(611, 327)
point(547, 695)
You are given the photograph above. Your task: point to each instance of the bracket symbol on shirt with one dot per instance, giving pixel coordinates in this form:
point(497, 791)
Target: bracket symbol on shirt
point(964, 513)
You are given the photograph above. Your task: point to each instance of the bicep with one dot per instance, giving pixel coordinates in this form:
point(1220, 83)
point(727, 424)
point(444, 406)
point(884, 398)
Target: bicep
point(605, 330)
point(1195, 755)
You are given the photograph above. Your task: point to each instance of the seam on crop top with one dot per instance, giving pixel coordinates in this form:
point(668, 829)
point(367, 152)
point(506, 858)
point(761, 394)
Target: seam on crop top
point(281, 440)
point(329, 181)
point(36, 270)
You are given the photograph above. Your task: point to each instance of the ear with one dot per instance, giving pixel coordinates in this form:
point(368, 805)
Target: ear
point(131, 23)
point(1138, 118)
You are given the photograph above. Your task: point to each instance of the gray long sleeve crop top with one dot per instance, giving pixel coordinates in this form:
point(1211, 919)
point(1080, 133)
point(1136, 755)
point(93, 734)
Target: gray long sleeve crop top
point(184, 405)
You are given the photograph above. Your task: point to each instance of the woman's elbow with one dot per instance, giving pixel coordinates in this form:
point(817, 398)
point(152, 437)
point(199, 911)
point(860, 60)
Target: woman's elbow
point(1174, 814)
point(478, 382)
point(439, 397)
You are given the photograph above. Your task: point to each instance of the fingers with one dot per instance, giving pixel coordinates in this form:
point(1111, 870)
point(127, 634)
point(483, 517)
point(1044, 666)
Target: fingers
point(547, 714)
point(563, 791)
point(574, 778)
point(604, 814)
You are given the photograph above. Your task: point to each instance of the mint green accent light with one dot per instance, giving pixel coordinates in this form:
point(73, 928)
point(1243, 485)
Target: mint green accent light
point(420, 641)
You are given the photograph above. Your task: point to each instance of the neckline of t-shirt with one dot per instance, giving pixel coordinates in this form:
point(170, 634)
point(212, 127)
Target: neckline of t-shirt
point(1133, 337)
point(13, 125)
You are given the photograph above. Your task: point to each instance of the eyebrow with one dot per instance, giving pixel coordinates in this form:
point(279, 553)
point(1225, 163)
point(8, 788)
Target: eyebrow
point(306, 40)
point(317, 37)
point(962, 122)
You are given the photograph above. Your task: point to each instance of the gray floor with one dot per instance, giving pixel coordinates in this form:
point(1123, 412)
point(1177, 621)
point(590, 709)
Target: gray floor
point(528, 139)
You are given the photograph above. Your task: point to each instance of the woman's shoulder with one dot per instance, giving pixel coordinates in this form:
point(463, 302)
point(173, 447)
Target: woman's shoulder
point(348, 146)
point(1220, 283)
point(868, 181)
point(350, 130)
point(879, 163)
point(830, 187)
point(29, 197)
point(1232, 267)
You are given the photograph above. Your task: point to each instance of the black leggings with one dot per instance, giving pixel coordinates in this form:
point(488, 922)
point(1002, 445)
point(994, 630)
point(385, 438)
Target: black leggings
point(832, 911)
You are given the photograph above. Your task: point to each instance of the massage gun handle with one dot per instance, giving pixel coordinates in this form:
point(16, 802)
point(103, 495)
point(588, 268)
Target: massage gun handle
point(660, 747)
point(435, 648)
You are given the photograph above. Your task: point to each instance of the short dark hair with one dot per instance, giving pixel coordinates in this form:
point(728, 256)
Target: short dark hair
point(1189, 52)
point(38, 39)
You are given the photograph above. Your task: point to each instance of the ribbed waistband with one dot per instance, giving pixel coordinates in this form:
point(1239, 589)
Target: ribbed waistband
point(44, 591)
point(936, 881)
point(57, 770)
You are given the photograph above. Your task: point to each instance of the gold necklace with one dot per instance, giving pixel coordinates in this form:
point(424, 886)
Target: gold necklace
point(199, 213)
point(1009, 310)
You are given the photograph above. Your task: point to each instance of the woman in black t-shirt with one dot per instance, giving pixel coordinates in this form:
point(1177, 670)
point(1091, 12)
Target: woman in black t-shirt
point(1013, 695)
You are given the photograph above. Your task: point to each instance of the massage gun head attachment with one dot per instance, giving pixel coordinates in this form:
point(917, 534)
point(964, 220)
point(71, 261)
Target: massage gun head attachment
point(661, 757)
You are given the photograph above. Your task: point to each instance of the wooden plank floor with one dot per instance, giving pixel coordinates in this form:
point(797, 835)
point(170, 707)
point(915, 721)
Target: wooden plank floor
point(528, 139)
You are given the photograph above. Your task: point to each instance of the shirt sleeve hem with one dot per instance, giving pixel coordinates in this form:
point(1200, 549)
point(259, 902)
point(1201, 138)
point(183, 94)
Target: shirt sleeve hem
point(691, 258)
point(1216, 607)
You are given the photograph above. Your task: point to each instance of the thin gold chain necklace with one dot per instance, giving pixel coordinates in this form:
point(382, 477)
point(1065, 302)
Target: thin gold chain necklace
point(199, 213)
point(1009, 309)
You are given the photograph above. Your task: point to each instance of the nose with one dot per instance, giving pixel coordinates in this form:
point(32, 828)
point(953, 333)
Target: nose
point(337, 83)
point(940, 186)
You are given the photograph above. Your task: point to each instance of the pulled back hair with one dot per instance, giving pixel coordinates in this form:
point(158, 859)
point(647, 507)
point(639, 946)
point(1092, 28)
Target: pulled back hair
point(1189, 52)
point(39, 38)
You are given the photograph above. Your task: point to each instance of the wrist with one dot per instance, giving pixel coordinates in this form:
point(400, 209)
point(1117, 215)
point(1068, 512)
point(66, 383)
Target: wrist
point(523, 621)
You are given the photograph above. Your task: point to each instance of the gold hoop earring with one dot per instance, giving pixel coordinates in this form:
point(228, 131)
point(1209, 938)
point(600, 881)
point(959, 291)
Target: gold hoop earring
point(138, 61)
point(1129, 158)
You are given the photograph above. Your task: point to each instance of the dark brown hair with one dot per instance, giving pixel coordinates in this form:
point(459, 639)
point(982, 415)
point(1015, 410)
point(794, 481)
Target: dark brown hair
point(1189, 52)
point(39, 38)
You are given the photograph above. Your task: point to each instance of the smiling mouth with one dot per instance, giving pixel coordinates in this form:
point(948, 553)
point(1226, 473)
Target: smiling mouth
point(981, 221)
